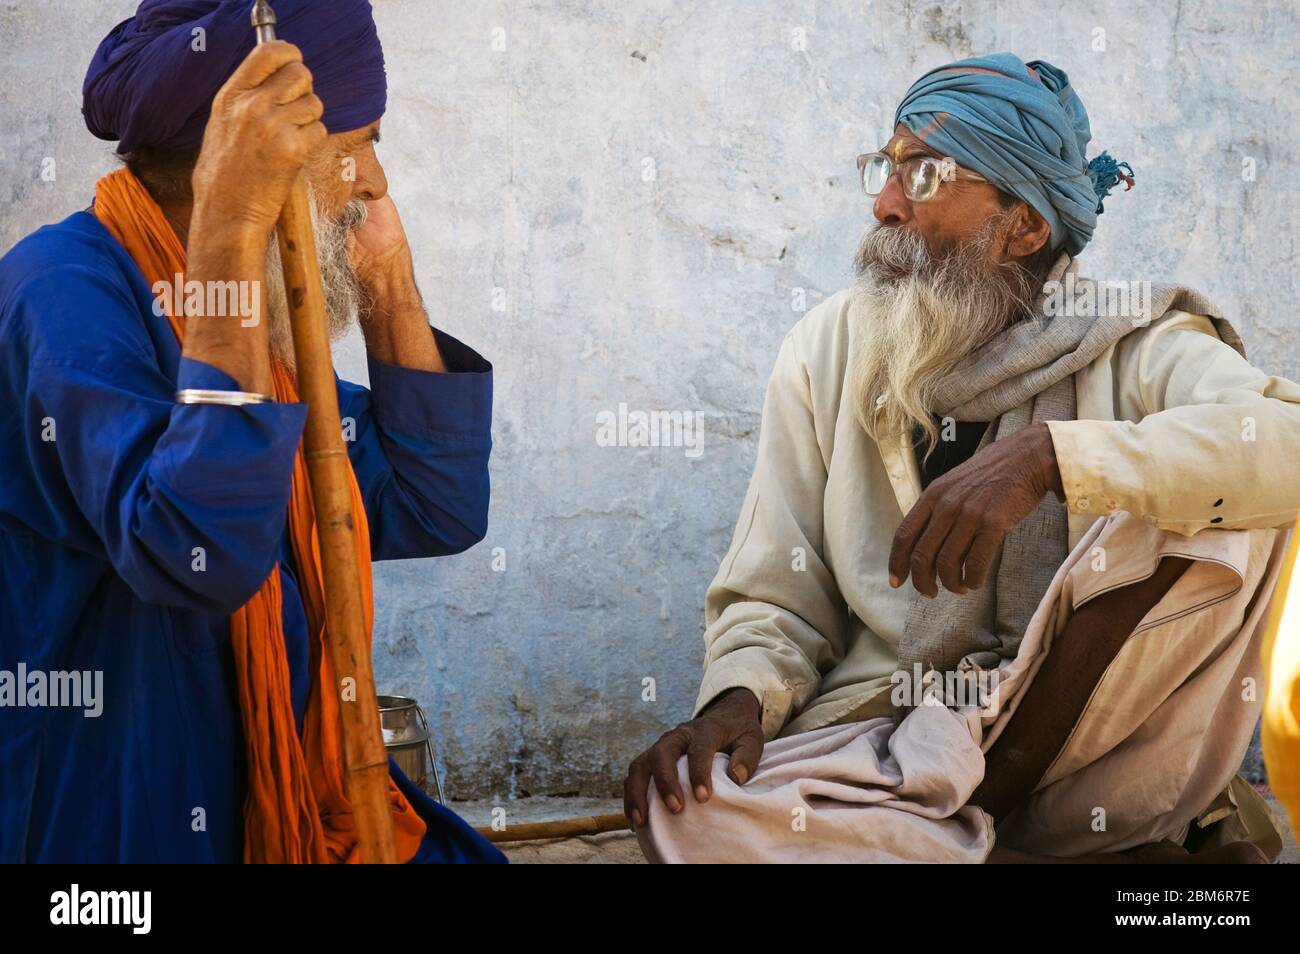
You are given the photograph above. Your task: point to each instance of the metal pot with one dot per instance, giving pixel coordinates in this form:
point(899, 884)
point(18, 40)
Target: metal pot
point(409, 741)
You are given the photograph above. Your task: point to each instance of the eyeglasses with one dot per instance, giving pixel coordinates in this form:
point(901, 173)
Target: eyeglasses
point(921, 175)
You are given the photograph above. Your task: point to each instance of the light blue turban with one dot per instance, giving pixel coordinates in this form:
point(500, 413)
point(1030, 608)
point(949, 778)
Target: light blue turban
point(1022, 127)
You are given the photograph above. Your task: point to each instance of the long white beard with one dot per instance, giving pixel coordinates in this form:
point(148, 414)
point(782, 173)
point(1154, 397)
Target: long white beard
point(344, 296)
point(921, 314)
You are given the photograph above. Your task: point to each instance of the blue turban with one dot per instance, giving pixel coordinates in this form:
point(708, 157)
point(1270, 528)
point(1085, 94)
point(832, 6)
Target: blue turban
point(1022, 127)
point(148, 85)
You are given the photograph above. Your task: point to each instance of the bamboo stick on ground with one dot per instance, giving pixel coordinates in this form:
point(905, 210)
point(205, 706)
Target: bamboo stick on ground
point(560, 828)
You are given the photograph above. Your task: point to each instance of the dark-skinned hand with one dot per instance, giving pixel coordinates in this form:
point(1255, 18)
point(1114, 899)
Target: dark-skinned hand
point(957, 524)
point(732, 724)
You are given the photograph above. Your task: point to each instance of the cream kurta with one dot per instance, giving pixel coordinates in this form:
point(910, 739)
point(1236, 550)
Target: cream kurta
point(1174, 427)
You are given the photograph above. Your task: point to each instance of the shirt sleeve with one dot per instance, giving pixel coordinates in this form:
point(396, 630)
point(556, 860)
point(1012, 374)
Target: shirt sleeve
point(1214, 446)
point(186, 502)
point(775, 619)
point(419, 443)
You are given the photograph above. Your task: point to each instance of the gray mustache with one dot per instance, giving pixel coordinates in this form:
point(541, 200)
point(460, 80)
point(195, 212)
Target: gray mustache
point(353, 216)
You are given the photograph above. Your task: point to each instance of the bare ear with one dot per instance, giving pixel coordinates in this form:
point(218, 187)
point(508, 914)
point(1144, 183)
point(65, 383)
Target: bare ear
point(1029, 232)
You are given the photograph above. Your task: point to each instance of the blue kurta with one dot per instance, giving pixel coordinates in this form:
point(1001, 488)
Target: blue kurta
point(131, 527)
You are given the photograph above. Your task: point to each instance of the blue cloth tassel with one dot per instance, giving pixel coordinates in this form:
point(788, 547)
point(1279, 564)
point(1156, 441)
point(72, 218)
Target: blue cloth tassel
point(1106, 173)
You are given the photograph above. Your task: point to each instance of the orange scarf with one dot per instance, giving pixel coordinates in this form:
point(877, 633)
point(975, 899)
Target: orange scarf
point(297, 807)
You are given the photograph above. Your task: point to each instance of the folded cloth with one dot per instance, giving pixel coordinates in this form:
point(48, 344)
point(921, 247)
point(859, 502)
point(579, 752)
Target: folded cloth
point(1163, 734)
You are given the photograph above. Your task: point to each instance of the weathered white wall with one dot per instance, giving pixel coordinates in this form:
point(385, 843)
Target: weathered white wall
point(651, 188)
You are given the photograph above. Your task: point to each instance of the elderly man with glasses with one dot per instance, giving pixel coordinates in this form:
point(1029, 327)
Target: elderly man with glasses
point(1087, 491)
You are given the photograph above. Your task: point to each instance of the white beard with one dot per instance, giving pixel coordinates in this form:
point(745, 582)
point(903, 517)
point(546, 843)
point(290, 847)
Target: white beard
point(344, 296)
point(921, 313)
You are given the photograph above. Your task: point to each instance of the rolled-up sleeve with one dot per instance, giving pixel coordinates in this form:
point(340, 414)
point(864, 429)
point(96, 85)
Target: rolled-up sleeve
point(419, 443)
point(1214, 445)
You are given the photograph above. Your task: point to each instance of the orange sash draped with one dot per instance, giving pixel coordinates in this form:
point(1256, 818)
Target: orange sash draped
point(297, 807)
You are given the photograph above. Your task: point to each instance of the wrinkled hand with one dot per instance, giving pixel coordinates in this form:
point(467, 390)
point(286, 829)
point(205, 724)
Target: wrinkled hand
point(731, 724)
point(265, 123)
point(959, 521)
point(379, 250)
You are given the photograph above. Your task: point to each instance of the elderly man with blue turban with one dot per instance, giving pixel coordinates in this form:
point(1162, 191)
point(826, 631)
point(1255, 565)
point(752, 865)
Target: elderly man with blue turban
point(158, 564)
point(1088, 491)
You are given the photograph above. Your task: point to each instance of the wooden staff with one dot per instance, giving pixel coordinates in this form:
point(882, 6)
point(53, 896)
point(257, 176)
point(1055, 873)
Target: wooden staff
point(365, 768)
point(562, 828)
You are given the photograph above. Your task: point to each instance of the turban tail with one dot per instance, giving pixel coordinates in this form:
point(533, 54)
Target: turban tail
point(1022, 127)
point(153, 78)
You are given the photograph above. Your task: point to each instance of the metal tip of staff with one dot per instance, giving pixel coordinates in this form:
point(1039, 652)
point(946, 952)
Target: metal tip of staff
point(263, 21)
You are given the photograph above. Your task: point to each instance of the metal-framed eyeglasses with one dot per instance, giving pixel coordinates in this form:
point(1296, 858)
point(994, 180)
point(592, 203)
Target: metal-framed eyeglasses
point(921, 176)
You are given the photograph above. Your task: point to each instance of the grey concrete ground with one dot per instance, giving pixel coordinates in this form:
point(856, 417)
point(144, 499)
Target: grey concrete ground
point(621, 848)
